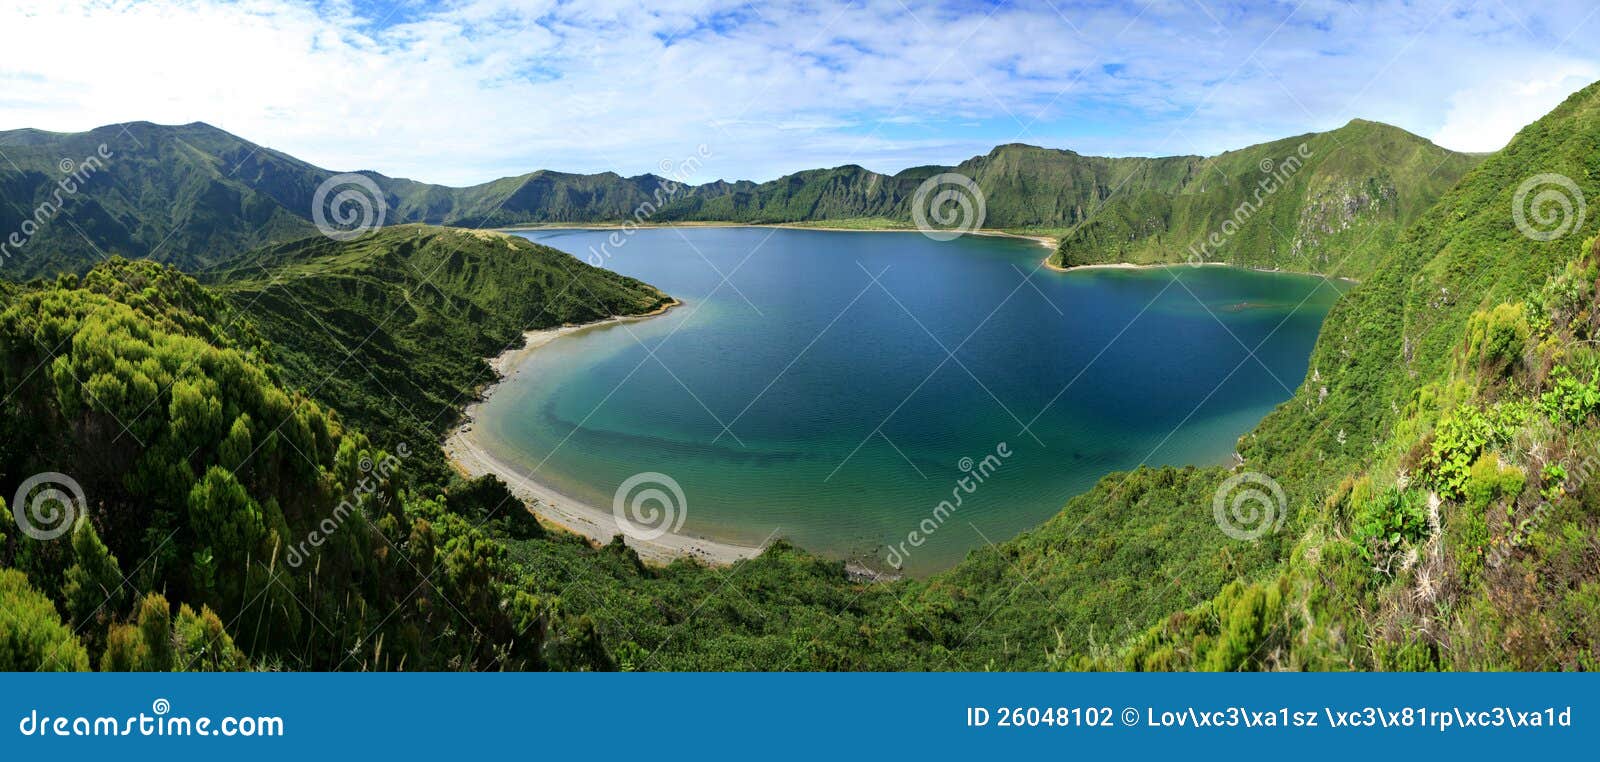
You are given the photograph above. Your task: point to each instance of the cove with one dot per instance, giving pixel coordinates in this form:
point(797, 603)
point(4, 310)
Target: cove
point(834, 388)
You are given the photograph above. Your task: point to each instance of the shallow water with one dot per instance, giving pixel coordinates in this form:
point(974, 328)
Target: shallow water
point(851, 405)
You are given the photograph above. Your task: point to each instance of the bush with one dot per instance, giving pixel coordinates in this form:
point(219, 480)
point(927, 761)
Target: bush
point(1488, 481)
point(1457, 440)
point(1388, 523)
point(32, 636)
point(1467, 531)
point(1495, 338)
point(1569, 400)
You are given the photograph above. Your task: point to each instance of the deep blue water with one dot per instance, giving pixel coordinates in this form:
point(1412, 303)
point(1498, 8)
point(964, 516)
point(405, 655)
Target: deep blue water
point(850, 404)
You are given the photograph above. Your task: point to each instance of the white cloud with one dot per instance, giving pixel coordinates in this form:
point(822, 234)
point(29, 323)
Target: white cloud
point(1484, 116)
point(475, 89)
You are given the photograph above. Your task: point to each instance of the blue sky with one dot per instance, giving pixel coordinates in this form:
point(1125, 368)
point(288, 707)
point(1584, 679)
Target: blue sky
point(463, 92)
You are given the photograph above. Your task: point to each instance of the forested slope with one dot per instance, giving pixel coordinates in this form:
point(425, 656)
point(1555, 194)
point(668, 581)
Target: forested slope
point(1437, 468)
point(1331, 202)
point(393, 328)
point(1441, 459)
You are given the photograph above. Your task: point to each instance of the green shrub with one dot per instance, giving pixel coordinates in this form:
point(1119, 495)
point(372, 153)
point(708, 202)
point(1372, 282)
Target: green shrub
point(1457, 440)
point(1386, 524)
point(1554, 475)
point(1569, 400)
point(1488, 481)
point(1495, 338)
point(1467, 529)
point(32, 635)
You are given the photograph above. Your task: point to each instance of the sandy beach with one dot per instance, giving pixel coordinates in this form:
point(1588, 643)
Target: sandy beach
point(1129, 266)
point(470, 455)
point(1042, 240)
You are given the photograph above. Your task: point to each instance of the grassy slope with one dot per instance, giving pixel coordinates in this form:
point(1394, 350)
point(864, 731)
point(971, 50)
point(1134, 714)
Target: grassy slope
point(1338, 205)
point(186, 194)
point(392, 328)
point(201, 467)
point(1392, 335)
point(1399, 358)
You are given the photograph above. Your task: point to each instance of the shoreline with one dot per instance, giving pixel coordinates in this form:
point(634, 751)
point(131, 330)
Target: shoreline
point(1156, 265)
point(470, 455)
point(1043, 240)
point(1130, 266)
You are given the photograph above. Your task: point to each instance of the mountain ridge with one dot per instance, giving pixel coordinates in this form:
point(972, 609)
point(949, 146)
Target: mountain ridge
point(193, 195)
point(1328, 202)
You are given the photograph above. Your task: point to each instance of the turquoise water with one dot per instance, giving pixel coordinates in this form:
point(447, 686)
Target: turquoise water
point(851, 405)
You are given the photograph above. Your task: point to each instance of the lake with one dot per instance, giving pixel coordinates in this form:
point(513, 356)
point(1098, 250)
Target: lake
point(833, 388)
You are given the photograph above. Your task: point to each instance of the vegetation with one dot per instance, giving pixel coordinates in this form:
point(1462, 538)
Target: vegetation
point(228, 463)
point(182, 194)
point(1443, 453)
point(201, 462)
point(392, 328)
point(1438, 462)
point(192, 195)
point(32, 635)
point(1331, 202)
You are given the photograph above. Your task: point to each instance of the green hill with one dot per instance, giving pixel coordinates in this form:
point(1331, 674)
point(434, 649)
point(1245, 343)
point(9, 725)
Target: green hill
point(199, 424)
point(392, 328)
point(1440, 460)
point(1330, 202)
point(187, 194)
point(200, 472)
point(193, 195)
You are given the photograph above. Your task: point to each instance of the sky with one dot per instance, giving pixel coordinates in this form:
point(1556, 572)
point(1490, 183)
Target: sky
point(467, 91)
